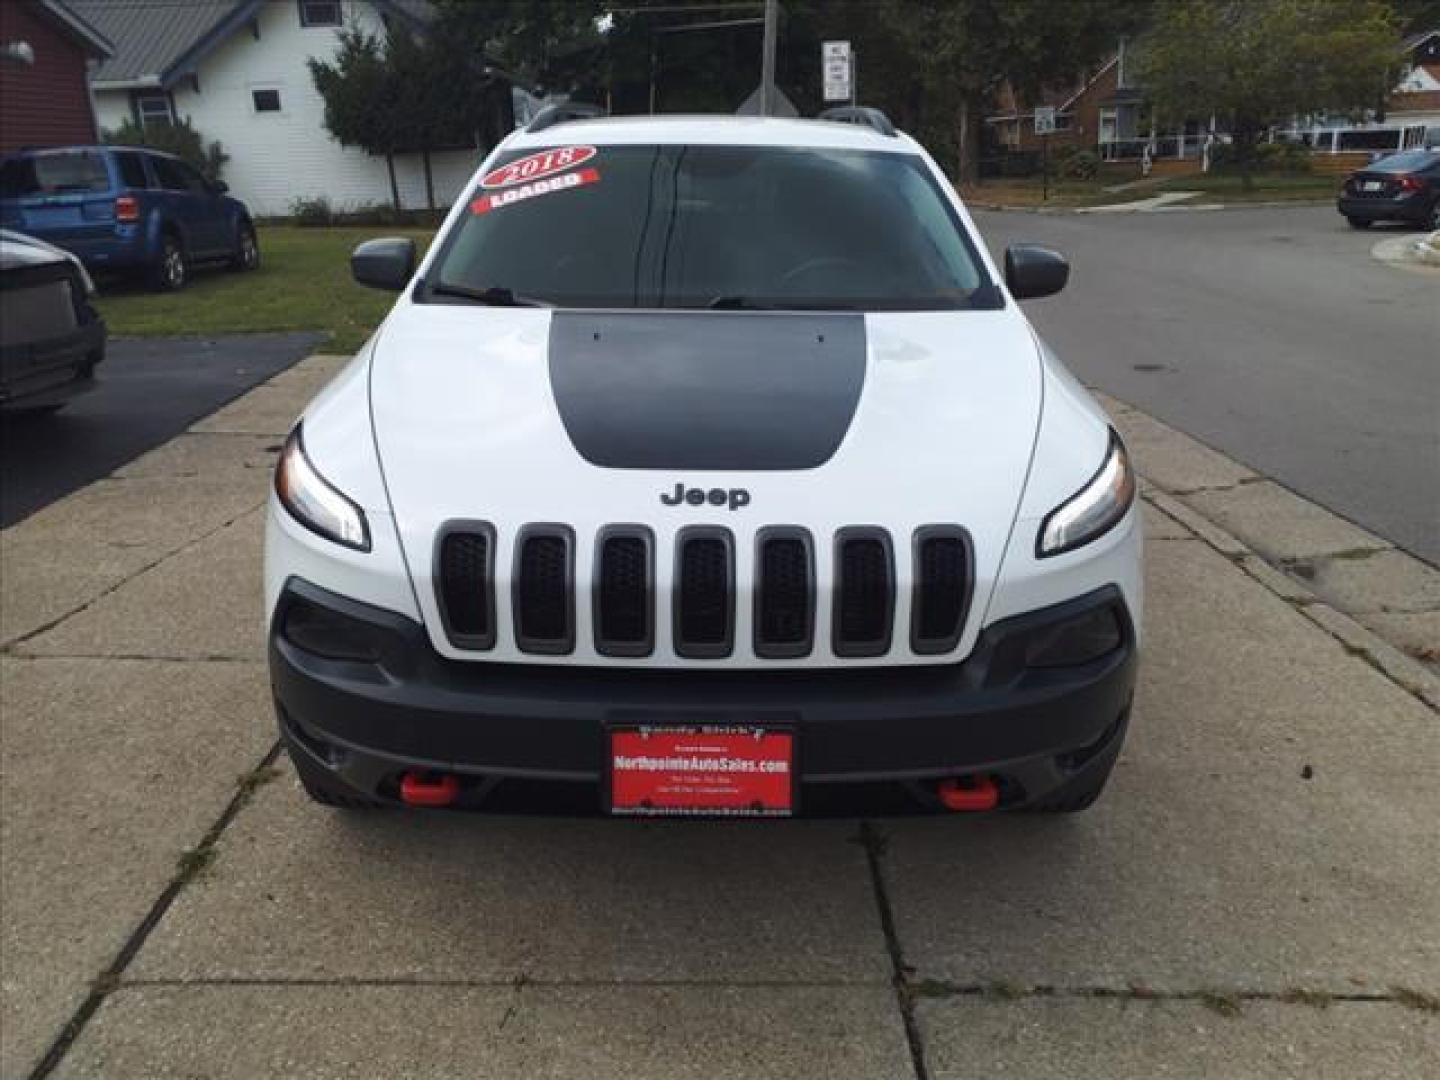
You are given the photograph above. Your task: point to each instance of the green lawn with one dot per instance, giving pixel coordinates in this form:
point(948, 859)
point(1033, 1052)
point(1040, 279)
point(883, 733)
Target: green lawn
point(1224, 188)
point(303, 284)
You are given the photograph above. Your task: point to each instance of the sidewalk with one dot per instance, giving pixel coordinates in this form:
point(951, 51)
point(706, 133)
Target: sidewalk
point(1256, 895)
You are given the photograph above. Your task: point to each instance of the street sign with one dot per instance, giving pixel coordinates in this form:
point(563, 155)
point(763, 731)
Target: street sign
point(1044, 119)
point(836, 67)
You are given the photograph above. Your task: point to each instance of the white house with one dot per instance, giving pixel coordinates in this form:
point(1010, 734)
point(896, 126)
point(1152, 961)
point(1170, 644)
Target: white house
point(237, 69)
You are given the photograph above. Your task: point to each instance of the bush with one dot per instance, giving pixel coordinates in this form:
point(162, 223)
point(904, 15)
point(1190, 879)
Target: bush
point(1283, 157)
point(318, 213)
point(312, 213)
point(179, 138)
point(1080, 165)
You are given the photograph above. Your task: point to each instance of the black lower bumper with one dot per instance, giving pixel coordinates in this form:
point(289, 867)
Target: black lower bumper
point(36, 375)
point(367, 722)
point(1416, 210)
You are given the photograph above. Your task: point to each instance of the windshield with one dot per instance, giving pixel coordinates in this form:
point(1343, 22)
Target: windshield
point(711, 226)
point(54, 174)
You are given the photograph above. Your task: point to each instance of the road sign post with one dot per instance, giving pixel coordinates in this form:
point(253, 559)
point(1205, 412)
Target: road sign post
point(1044, 127)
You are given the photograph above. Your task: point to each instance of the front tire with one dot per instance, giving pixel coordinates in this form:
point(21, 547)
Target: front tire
point(171, 272)
point(247, 249)
point(1359, 223)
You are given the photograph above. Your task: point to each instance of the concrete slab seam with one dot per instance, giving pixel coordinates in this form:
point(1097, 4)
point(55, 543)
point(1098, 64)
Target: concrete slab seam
point(870, 839)
point(192, 864)
point(1228, 1002)
point(8, 647)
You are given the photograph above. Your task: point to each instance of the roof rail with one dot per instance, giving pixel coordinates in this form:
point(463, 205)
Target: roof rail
point(860, 114)
point(558, 114)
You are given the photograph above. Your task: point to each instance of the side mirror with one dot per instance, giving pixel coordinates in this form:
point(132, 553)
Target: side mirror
point(1031, 271)
point(384, 264)
point(219, 187)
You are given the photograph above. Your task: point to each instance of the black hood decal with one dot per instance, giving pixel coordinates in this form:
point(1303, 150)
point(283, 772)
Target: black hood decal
point(707, 390)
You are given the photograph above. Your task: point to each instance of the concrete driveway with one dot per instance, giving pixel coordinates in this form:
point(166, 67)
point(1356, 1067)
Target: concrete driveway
point(1258, 894)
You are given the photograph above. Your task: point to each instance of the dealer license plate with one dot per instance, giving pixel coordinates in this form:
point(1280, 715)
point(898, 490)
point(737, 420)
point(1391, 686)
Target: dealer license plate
point(674, 770)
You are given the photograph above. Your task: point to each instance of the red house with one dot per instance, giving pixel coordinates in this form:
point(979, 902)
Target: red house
point(45, 52)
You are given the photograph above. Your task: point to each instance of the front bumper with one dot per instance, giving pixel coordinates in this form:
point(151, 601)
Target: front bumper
point(868, 738)
point(43, 373)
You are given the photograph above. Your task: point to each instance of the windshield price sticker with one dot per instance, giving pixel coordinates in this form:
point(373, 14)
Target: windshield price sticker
point(537, 166)
point(485, 203)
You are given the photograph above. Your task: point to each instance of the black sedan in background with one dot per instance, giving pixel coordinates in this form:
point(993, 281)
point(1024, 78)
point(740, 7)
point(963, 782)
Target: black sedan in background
point(51, 338)
point(1400, 187)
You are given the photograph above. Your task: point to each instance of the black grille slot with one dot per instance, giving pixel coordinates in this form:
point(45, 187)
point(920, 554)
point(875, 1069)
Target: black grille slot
point(624, 586)
point(464, 572)
point(544, 590)
point(942, 589)
point(864, 592)
point(704, 593)
point(784, 594)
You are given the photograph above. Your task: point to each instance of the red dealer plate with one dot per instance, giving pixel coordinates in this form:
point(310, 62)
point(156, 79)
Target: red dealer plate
point(736, 771)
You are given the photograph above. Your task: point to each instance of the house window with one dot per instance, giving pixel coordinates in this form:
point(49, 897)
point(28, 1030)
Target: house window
point(153, 107)
point(266, 100)
point(320, 12)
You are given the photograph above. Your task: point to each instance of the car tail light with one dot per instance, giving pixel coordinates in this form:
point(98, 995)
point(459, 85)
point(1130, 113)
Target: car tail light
point(127, 208)
point(1411, 183)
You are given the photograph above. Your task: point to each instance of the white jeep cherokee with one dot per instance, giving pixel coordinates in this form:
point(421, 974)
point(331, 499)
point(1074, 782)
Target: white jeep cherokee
point(705, 466)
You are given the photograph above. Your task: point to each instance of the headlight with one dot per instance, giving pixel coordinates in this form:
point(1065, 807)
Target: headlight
point(1094, 509)
point(313, 502)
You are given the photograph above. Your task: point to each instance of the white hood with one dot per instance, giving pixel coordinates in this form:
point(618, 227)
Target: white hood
point(468, 427)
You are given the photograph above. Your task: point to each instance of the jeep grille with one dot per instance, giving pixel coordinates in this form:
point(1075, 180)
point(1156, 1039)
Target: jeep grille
point(777, 601)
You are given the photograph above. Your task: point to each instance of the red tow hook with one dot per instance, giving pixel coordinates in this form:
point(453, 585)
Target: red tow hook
point(968, 793)
point(429, 789)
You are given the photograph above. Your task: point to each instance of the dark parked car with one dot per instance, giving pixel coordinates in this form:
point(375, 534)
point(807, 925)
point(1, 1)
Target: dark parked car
point(126, 208)
point(1400, 187)
point(51, 339)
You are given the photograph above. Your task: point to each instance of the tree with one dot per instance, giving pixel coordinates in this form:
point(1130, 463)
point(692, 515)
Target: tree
point(542, 44)
point(1255, 64)
point(937, 65)
point(179, 138)
point(1417, 16)
point(360, 98)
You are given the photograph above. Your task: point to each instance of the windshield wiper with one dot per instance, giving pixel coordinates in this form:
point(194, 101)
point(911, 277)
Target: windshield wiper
point(494, 296)
point(737, 303)
point(730, 302)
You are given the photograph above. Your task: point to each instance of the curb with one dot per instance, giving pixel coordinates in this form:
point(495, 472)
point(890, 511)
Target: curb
point(1410, 675)
point(1409, 252)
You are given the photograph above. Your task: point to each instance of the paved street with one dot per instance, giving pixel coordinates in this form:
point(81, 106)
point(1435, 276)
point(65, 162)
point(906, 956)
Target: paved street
point(1254, 898)
point(1270, 334)
point(148, 390)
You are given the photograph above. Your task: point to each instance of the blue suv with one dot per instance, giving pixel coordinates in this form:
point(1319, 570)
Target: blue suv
point(126, 208)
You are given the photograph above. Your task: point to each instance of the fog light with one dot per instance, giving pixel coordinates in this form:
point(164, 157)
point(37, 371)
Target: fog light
point(327, 633)
point(1076, 641)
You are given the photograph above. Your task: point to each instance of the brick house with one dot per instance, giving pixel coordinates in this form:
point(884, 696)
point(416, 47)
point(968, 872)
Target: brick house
point(45, 54)
point(1079, 112)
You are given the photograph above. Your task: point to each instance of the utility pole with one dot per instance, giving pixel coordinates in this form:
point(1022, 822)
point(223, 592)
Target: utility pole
point(767, 59)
